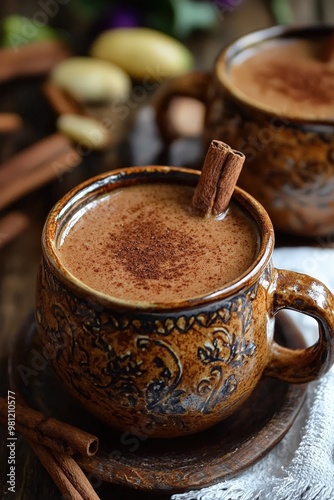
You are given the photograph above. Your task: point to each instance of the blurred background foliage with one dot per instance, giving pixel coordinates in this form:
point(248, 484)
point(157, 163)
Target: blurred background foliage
point(183, 19)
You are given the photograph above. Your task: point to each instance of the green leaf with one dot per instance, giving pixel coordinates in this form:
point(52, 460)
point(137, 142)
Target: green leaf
point(19, 30)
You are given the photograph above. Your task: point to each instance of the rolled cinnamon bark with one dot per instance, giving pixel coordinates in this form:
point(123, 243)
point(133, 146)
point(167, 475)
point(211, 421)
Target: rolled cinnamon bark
point(35, 58)
point(61, 102)
point(221, 169)
point(10, 122)
point(49, 432)
point(63, 469)
point(227, 181)
point(75, 475)
point(58, 475)
point(31, 168)
point(11, 226)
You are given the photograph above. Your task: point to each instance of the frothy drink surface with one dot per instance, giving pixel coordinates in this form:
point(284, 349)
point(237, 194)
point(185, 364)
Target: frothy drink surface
point(143, 243)
point(290, 76)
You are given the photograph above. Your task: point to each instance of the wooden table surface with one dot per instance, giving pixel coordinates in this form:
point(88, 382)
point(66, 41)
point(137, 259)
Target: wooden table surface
point(19, 259)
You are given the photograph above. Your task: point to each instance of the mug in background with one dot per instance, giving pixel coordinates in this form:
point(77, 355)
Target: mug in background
point(174, 368)
point(289, 164)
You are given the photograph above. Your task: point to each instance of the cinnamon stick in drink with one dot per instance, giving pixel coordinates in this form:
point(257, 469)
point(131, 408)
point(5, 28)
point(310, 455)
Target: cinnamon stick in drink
point(227, 181)
point(219, 176)
point(204, 196)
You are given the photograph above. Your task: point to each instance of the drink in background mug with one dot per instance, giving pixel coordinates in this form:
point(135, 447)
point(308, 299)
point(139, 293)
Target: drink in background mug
point(132, 328)
point(270, 95)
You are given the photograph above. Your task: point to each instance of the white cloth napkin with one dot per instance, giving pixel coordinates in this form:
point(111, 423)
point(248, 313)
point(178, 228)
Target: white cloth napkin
point(301, 466)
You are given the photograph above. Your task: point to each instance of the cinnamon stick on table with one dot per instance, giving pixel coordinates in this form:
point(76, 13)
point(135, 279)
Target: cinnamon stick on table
point(11, 225)
point(31, 168)
point(65, 486)
point(63, 469)
point(75, 476)
point(219, 176)
point(10, 122)
point(66, 474)
point(34, 58)
point(61, 101)
point(49, 432)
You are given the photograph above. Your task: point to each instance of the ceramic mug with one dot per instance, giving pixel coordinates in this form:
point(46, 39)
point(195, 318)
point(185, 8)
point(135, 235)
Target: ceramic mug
point(198, 360)
point(289, 164)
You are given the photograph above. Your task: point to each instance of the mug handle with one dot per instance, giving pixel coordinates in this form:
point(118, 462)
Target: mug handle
point(302, 293)
point(193, 84)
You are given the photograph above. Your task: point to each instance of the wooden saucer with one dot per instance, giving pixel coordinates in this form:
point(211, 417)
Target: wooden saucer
point(172, 465)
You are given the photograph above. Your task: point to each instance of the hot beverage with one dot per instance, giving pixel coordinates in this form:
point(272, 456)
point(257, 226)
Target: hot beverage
point(290, 76)
point(270, 95)
point(174, 367)
point(142, 243)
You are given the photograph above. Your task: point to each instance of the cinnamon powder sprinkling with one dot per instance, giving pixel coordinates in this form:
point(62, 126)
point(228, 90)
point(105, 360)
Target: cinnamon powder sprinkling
point(313, 83)
point(149, 249)
point(143, 243)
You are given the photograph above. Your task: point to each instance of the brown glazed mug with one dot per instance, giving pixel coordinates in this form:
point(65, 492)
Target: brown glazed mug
point(171, 369)
point(289, 164)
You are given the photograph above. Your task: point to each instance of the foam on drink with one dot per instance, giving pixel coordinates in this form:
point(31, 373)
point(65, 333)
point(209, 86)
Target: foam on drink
point(142, 243)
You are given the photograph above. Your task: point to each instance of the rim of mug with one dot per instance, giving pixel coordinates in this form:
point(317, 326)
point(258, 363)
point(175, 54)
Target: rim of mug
point(101, 184)
point(254, 38)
